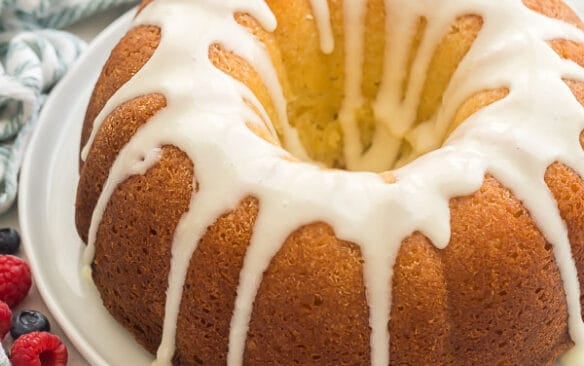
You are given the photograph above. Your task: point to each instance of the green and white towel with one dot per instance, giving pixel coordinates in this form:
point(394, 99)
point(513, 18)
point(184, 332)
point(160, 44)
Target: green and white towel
point(34, 55)
point(3, 358)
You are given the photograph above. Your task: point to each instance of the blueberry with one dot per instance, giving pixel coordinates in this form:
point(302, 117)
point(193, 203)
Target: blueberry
point(27, 321)
point(9, 241)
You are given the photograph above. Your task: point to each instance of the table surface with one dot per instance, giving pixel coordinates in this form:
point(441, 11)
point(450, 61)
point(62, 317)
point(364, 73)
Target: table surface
point(87, 30)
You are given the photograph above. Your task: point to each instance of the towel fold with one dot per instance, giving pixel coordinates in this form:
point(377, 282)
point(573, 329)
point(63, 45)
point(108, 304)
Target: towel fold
point(33, 58)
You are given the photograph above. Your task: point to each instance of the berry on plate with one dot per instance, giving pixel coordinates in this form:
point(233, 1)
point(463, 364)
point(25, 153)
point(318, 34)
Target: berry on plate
point(9, 241)
point(27, 321)
point(38, 349)
point(15, 280)
point(5, 315)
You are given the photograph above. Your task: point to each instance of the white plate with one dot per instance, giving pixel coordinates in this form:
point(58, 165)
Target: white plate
point(577, 5)
point(48, 183)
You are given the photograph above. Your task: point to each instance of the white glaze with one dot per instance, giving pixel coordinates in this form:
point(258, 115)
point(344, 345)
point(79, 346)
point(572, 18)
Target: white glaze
point(321, 12)
point(514, 139)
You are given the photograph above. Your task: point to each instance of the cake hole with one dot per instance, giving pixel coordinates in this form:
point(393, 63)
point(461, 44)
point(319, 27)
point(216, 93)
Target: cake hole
point(386, 126)
point(318, 300)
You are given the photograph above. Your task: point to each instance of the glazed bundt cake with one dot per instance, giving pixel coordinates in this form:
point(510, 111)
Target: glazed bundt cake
point(326, 182)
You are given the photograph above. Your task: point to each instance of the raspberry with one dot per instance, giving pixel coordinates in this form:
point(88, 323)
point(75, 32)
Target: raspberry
point(38, 349)
point(5, 323)
point(15, 279)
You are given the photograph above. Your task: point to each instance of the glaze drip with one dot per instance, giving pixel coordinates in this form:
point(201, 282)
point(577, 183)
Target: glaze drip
point(513, 139)
point(321, 12)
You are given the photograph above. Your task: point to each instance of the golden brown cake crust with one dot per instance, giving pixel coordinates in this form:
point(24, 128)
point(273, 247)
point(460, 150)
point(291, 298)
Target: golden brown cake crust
point(493, 296)
point(126, 59)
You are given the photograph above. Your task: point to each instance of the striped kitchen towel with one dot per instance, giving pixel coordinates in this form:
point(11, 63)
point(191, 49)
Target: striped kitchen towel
point(3, 358)
point(34, 55)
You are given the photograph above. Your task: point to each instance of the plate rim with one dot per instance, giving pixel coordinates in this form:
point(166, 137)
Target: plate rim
point(28, 174)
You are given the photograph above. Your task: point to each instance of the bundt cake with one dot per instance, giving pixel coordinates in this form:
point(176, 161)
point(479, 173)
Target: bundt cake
point(327, 182)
